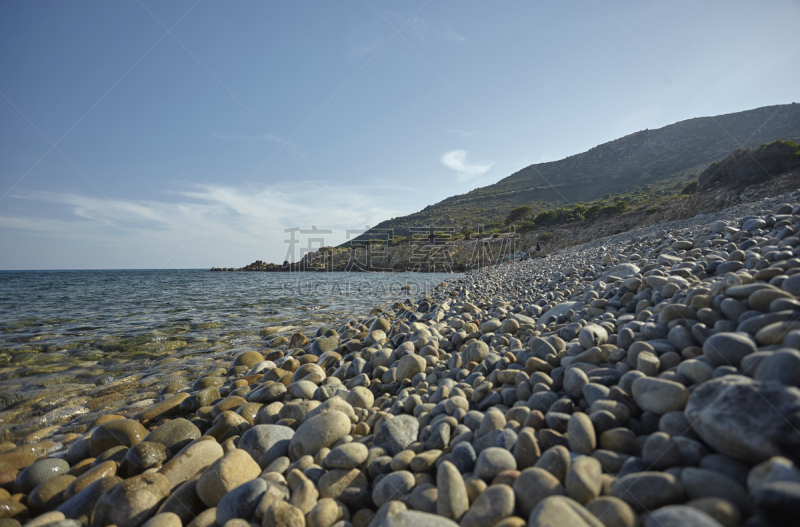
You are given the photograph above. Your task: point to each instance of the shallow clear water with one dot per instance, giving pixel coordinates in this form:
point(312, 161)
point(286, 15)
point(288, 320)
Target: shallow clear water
point(55, 321)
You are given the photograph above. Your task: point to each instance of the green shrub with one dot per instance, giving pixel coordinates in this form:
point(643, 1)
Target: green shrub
point(690, 188)
point(593, 211)
point(545, 236)
point(650, 210)
point(518, 213)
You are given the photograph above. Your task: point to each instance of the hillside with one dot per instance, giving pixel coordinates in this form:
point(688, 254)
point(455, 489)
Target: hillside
point(642, 166)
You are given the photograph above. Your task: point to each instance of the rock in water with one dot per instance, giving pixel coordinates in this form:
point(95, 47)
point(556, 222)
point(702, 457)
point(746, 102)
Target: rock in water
point(747, 419)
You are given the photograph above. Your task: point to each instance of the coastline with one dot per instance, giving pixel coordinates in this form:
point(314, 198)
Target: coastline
point(599, 367)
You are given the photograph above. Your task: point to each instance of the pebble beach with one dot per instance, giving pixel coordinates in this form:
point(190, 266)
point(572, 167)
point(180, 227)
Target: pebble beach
point(648, 379)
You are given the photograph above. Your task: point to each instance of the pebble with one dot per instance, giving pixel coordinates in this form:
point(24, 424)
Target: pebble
point(266, 443)
point(132, 501)
point(50, 494)
point(282, 514)
point(778, 503)
point(452, 497)
point(532, 486)
point(241, 501)
point(492, 461)
point(659, 395)
point(728, 348)
point(393, 487)
point(38, 473)
point(83, 503)
point(558, 511)
point(349, 455)
point(725, 512)
point(164, 519)
point(583, 482)
point(581, 434)
point(647, 490)
point(645, 378)
point(680, 516)
point(396, 434)
point(235, 468)
point(745, 419)
point(174, 434)
point(120, 432)
point(494, 504)
point(190, 461)
point(613, 512)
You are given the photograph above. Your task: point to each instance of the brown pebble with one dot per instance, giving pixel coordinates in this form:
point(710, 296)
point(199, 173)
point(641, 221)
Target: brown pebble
point(103, 470)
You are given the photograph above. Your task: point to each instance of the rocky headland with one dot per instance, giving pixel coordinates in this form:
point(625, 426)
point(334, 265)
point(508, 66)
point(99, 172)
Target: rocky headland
point(650, 378)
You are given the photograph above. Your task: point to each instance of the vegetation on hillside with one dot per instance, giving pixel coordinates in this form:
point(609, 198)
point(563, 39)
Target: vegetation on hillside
point(752, 165)
point(640, 168)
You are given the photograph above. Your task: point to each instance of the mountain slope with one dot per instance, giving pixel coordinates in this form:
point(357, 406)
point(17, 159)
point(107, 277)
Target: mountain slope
point(662, 158)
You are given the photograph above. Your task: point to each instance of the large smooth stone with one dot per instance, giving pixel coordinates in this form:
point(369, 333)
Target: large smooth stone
point(659, 395)
point(395, 514)
point(175, 434)
point(409, 366)
point(778, 503)
point(241, 501)
point(349, 455)
point(184, 502)
point(166, 408)
point(120, 432)
point(647, 490)
point(747, 419)
point(560, 511)
point(235, 468)
point(393, 486)
point(394, 435)
point(319, 432)
point(728, 348)
point(351, 487)
point(266, 443)
point(534, 485)
point(680, 516)
point(492, 461)
point(494, 504)
point(83, 503)
point(131, 502)
point(452, 499)
point(191, 460)
point(40, 472)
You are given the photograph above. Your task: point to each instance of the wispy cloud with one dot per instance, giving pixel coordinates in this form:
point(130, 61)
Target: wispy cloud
point(425, 30)
point(250, 138)
point(370, 37)
point(248, 224)
point(457, 160)
point(463, 133)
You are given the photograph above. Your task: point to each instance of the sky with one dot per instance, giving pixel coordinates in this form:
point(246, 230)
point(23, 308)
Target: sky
point(192, 134)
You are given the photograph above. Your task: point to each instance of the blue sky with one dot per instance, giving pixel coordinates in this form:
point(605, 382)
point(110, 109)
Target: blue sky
point(190, 134)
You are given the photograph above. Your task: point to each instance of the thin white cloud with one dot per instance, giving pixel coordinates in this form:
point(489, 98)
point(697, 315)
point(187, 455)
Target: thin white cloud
point(250, 138)
point(457, 160)
point(248, 223)
point(463, 133)
point(450, 34)
point(369, 38)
